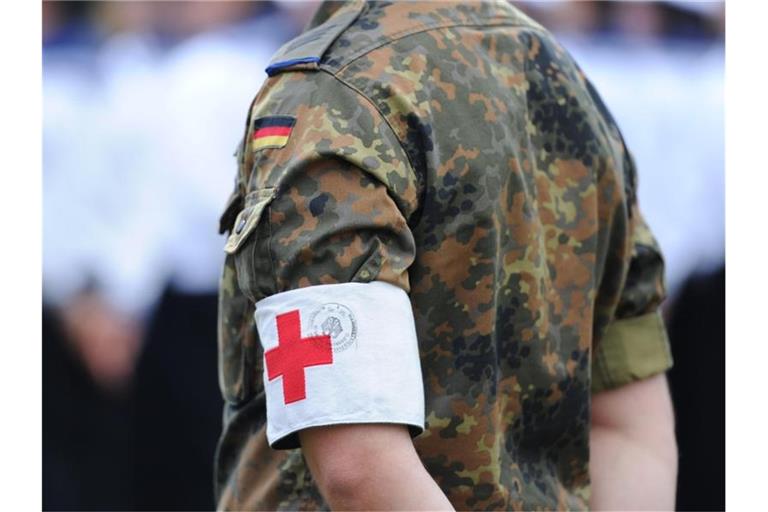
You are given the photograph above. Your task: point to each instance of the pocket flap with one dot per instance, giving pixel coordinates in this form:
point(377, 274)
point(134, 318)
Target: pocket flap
point(227, 219)
point(248, 219)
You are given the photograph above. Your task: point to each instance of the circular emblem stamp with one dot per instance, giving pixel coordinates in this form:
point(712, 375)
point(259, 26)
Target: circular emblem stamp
point(337, 321)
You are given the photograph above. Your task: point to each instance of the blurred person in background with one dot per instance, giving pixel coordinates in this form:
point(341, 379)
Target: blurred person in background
point(141, 104)
point(89, 342)
point(197, 114)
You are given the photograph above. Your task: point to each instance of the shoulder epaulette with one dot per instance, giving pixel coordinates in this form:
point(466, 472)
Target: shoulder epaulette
point(305, 51)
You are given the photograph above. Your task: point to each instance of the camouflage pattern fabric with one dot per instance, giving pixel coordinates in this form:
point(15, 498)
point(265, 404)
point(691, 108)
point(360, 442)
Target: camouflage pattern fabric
point(457, 151)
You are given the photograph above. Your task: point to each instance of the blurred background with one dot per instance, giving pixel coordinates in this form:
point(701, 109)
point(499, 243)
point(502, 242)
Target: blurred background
point(143, 105)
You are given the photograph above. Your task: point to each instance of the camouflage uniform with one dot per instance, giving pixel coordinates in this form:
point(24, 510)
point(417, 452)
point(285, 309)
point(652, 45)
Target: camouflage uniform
point(456, 151)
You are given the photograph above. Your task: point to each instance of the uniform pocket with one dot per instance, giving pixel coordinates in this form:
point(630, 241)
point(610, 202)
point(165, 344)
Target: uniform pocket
point(240, 370)
point(249, 245)
point(248, 219)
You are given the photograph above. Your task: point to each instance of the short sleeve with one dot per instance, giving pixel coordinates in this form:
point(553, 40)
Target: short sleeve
point(322, 247)
point(635, 346)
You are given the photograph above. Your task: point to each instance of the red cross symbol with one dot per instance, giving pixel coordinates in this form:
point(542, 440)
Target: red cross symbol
point(295, 353)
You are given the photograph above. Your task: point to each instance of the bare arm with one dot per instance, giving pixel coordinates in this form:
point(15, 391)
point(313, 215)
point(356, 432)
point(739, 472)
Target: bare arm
point(370, 467)
point(633, 449)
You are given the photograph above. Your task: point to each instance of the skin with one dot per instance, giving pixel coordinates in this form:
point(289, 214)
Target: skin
point(633, 458)
point(370, 467)
point(105, 341)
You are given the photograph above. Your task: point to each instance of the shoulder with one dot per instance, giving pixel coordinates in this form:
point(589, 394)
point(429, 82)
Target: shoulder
point(358, 27)
point(347, 56)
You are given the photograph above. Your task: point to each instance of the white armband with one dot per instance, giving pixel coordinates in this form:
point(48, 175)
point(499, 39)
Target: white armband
point(336, 354)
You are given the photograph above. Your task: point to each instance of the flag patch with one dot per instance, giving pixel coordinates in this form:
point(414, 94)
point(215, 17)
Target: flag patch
point(271, 132)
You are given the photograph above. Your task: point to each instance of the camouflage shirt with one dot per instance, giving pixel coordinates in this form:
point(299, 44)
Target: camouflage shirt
point(456, 151)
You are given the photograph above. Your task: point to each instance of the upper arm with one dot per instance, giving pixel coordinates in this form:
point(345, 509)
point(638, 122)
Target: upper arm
point(641, 406)
point(634, 345)
point(334, 454)
point(633, 453)
point(323, 251)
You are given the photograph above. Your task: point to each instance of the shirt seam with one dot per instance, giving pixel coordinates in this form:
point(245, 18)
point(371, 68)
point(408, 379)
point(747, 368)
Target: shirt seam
point(335, 73)
point(605, 369)
point(362, 417)
point(360, 93)
point(419, 29)
point(272, 265)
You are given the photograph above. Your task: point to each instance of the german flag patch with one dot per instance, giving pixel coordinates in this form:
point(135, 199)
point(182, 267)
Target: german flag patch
point(271, 132)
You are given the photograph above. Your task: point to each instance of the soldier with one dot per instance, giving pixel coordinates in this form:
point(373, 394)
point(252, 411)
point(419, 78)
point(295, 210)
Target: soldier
point(438, 283)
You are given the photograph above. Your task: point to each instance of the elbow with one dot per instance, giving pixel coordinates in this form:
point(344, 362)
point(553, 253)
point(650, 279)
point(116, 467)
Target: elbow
point(343, 482)
point(658, 435)
point(353, 464)
point(666, 444)
point(658, 439)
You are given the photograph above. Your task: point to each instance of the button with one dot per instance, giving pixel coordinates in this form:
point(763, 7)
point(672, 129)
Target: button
point(243, 220)
point(240, 225)
point(365, 274)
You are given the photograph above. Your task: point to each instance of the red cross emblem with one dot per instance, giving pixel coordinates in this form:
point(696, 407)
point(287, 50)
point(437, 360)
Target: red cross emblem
point(295, 353)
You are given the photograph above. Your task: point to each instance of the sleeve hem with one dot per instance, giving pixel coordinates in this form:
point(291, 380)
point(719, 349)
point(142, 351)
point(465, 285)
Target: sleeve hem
point(289, 439)
point(632, 349)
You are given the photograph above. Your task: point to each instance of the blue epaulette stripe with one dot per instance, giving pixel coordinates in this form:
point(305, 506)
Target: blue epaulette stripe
point(272, 69)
